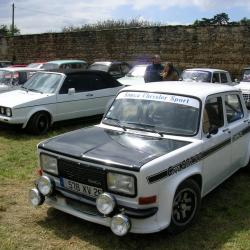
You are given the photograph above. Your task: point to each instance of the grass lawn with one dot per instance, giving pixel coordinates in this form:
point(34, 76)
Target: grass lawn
point(224, 221)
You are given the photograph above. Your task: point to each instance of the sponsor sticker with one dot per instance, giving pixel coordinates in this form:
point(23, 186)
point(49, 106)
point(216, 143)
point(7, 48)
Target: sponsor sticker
point(184, 100)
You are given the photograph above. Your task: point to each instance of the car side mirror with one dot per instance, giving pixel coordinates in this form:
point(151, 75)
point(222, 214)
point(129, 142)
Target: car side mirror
point(71, 91)
point(213, 130)
point(180, 78)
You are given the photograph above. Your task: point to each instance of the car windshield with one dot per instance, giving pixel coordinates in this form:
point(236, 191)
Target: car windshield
point(246, 75)
point(43, 82)
point(101, 67)
point(137, 71)
point(160, 113)
point(196, 76)
point(6, 77)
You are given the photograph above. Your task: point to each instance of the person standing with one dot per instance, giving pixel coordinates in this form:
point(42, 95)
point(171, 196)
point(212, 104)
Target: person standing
point(153, 71)
point(169, 73)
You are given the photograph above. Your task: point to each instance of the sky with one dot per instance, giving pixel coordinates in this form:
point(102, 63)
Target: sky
point(41, 16)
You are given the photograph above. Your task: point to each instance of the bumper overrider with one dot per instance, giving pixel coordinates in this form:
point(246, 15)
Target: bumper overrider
point(104, 210)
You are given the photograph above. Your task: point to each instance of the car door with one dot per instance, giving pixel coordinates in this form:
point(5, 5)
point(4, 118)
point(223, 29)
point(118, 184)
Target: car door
point(216, 147)
point(73, 98)
point(83, 94)
point(238, 127)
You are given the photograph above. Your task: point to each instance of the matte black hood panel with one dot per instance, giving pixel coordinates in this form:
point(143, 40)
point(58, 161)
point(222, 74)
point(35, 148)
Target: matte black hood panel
point(111, 147)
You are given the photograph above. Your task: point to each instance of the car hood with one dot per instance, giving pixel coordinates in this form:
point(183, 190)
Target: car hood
point(110, 147)
point(243, 86)
point(126, 80)
point(19, 97)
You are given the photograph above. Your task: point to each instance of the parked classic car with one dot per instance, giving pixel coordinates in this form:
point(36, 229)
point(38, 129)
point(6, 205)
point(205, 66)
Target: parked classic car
point(36, 65)
point(206, 75)
point(12, 78)
point(134, 76)
point(4, 64)
point(116, 69)
point(158, 151)
point(65, 65)
point(244, 86)
point(48, 97)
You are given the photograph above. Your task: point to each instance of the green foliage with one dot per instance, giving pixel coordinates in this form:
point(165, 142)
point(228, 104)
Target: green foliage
point(219, 19)
point(7, 31)
point(112, 24)
point(245, 21)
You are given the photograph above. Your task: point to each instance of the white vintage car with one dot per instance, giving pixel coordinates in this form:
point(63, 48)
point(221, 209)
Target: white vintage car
point(244, 86)
point(134, 76)
point(157, 152)
point(207, 75)
point(48, 97)
point(13, 77)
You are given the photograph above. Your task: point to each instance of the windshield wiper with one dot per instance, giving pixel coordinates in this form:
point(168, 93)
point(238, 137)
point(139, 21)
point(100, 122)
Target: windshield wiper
point(117, 122)
point(35, 90)
point(143, 127)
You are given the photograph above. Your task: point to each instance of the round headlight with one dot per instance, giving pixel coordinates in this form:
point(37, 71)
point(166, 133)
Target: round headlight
point(45, 185)
point(35, 198)
point(120, 224)
point(105, 203)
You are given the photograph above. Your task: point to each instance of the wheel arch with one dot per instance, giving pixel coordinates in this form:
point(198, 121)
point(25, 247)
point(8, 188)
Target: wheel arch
point(34, 112)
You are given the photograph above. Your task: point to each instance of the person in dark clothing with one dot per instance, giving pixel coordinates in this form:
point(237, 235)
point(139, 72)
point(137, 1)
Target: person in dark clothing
point(153, 71)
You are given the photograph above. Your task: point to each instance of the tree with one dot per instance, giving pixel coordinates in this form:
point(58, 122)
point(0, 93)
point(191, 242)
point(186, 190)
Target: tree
point(7, 31)
point(219, 19)
point(245, 21)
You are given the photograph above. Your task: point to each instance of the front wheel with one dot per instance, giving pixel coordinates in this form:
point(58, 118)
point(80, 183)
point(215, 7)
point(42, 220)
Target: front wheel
point(186, 206)
point(39, 123)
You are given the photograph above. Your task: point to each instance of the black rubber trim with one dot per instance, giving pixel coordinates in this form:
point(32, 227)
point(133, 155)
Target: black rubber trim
point(186, 163)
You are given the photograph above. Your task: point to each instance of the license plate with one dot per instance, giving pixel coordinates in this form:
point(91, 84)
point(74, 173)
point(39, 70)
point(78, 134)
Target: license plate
point(81, 188)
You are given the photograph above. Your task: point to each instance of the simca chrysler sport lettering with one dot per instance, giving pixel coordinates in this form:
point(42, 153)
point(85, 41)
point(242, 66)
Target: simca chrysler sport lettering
point(159, 149)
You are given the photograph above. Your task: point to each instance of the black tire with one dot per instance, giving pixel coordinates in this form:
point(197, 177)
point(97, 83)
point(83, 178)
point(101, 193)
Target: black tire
point(39, 123)
point(186, 206)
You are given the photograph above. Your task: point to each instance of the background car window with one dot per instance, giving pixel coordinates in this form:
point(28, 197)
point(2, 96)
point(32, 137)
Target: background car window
point(213, 114)
point(83, 83)
point(125, 68)
point(223, 77)
point(216, 78)
point(246, 75)
point(234, 109)
point(115, 69)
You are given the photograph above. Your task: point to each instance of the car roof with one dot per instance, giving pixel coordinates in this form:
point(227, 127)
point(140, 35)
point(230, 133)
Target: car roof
point(206, 69)
point(200, 90)
point(108, 63)
point(20, 69)
point(66, 61)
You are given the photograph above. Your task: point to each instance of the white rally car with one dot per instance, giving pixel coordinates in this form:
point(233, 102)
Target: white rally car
point(158, 151)
point(48, 97)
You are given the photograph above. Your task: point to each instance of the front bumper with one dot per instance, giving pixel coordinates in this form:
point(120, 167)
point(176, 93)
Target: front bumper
point(5, 120)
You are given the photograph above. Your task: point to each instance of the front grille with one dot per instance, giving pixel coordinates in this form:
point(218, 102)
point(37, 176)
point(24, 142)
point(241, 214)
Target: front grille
point(82, 173)
point(246, 97)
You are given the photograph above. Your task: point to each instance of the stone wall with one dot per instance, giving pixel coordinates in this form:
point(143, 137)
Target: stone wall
point(225, 47)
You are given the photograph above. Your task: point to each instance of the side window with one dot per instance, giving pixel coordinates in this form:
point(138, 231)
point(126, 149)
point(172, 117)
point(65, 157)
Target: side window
point(68, 83)
point(125, 68)
point(234, 109)
point(115, 69)
point(213, 114)
point(216, 78)
point(223, 77)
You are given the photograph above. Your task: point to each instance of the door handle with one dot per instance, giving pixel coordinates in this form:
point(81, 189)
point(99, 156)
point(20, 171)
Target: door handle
point(89, 95)
point(226, 130)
